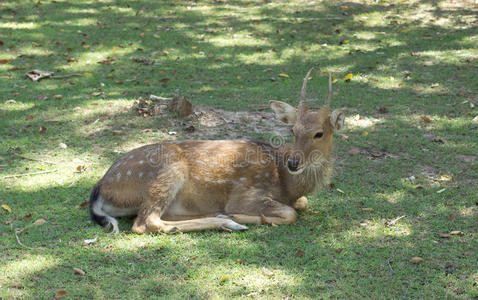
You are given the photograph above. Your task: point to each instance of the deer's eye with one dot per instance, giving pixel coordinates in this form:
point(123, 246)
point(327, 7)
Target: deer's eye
point(318, 135)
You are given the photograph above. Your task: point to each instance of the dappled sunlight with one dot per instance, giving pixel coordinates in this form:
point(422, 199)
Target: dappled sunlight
point(17, 269)
point(376, 231)
point(237, 39)
point(393, 198)
point(88, 60)
point(361, 122)
point(19, 25)
point(74, 10)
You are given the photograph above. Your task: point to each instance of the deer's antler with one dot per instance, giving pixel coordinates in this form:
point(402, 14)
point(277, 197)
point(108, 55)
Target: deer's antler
point(329, 94)
point(303, 93)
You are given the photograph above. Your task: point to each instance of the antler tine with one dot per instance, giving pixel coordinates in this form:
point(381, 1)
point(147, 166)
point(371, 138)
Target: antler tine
point(329, 94)
point(303, 92)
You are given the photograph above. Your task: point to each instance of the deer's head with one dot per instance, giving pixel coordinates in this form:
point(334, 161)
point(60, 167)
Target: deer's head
point(312, 129)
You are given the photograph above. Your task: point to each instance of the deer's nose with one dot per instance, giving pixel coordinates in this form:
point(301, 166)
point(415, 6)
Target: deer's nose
point(293, 164)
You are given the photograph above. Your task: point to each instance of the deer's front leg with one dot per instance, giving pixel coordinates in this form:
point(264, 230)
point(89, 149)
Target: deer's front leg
point(261, 211)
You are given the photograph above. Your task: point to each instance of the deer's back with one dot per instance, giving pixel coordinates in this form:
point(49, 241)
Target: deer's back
point(210, 171)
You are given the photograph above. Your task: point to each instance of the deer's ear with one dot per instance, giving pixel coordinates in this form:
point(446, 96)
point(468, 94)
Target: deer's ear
point(337, 118)
point(284, 112)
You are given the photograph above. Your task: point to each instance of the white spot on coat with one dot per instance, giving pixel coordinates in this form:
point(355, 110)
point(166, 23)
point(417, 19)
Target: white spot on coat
point(140, 174)
point(128, 173)
point(118, 176)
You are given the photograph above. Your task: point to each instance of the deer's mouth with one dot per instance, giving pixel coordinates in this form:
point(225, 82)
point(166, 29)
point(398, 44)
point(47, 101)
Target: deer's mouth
point(296, 171)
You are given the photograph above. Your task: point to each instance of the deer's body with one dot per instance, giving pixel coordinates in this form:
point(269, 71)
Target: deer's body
point(195, 185)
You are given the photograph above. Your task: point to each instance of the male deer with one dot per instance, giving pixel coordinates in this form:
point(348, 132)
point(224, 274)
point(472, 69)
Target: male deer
point(195, 185)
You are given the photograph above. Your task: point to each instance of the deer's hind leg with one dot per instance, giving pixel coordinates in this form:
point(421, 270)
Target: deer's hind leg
point(161, 193)
point(258, 207)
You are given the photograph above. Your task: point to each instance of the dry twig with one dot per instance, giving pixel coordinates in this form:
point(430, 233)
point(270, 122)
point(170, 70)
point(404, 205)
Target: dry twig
point(32, 173)
point(35, 159)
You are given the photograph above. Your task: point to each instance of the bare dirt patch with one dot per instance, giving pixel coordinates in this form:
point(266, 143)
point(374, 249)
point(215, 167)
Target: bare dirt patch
point(205, 123)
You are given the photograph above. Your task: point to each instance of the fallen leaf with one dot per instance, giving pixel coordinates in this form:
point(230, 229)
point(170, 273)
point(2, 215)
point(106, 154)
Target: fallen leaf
point(42, 129)
point(224, 278)
point(444, 235)
point(353, 151)
point(9, 221)
point(382, 109)
point(428, 63)
point(239, 261)
point(365, 133)
point(415, 54)
point(79, 271)
point(416, 259)
point(340, 191)
point(62, 145)
point(164, 80)
point(348, 76)
point(267, 273)
point(434, 85)
point(108, 248)
point(42, 97)
point(116, 132)
point(441, 191)
point(88, 75)
point(433, 138)
point(7, 208)
point(284, 75)
point(300, 253)
point(144, 60)
point(60, 294)
point(452, 217)
point(84, 204)
point(27, 217)
point(456, 232)
point(426, 119)
point(80, 169)
point(39, 222)
point(91, 241)
point(3, 61)
point(338, 251)
point(445, 178)
point(58, 97)
point(29, 117)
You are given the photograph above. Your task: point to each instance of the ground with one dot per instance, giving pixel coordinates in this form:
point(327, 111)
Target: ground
point(408, 149)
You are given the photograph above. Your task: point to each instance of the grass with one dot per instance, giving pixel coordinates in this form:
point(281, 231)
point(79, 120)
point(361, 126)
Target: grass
point(224, 54)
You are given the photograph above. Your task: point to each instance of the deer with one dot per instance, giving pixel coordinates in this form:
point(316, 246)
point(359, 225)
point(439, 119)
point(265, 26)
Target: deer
point(193, 185)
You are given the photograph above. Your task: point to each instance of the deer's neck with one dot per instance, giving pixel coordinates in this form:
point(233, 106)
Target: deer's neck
point(307, 182)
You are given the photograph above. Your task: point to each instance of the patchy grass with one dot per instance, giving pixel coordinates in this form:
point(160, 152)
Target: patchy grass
point(229, 54)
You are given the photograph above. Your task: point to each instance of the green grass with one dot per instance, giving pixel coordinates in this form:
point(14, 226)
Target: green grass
point(222, 54)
